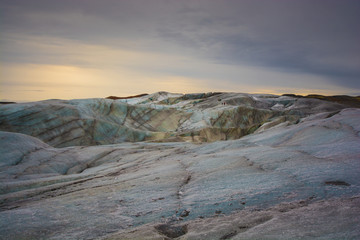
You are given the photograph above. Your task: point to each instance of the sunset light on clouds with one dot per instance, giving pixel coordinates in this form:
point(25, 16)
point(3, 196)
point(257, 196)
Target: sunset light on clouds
point(87, 49)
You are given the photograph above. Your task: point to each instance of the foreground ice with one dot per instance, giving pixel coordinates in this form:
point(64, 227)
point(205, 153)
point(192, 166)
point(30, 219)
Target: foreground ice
point(285, 181)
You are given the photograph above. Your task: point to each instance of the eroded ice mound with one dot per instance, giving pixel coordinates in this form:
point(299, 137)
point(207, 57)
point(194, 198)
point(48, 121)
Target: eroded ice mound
point(158, 117)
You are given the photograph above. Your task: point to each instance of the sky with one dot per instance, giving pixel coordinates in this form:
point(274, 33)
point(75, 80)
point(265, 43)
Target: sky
point(72, 49)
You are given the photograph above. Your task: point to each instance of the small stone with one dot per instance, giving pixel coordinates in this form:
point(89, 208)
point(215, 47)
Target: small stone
point(185, 213)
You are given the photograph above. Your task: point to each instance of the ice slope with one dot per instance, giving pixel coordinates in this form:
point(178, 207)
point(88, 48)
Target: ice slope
point(156, 117)
point(289, 181)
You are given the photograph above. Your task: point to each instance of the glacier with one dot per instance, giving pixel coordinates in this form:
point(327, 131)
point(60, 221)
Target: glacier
point(180, 166)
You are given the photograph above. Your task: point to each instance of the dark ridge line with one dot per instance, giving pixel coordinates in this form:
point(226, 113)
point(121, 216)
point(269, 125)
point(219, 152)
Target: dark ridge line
point(337, 183)
point(7, 103)
point(129, 97)
point(341, 99)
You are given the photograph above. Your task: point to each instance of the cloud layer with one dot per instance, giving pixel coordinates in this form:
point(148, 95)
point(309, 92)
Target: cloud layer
point(271, 46)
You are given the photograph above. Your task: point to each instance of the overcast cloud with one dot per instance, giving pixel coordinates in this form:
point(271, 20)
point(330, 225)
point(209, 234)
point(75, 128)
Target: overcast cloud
point(313, 39)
